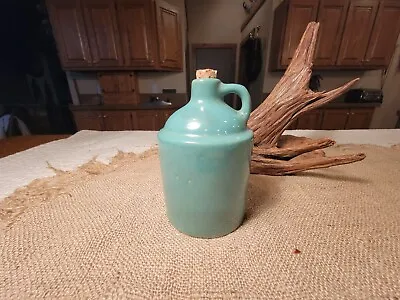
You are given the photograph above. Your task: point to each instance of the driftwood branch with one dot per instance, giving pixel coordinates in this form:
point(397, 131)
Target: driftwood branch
point(274, 154)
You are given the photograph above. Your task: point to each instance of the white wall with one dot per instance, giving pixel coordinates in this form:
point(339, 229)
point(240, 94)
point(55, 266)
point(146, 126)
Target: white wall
point(261, 18)
point(215, 21)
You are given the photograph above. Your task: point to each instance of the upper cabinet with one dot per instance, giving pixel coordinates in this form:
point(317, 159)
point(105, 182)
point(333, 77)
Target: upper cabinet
point(358, 28)
point(169, 35)
point(384, 34)
point(117, 34)
point(101, 24)
point(301, 12)
point(70, 33)
point(332, 16)
point(354, 34)
point(138, 29)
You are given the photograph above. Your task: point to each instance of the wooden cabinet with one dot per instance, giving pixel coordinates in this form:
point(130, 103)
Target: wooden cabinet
point(70, 33)
point(117, 34)
point(117, 120)
point(120, 119)
point(331, 16)
point(90, 120)
point(384, 34)
point(353, 118)
point(146, 120)
point(101, 25)
point(358, 28)
point(103, 120)
point(138, 31)
point(169, 35)
point(300, 13)
point(359, 118)
point(334, 119)
point(310, 120)
point(165, 114)
point(119, 88)
point(354, 34)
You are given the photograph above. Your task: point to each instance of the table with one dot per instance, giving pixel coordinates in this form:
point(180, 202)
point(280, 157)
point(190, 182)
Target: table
point(21, 168)
point(16, 144)
point(101, 231)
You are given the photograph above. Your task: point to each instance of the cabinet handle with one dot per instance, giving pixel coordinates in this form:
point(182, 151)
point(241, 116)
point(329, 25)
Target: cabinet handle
point(352, 113)
point(347, 113)
point(99, 116)
point(105, 116)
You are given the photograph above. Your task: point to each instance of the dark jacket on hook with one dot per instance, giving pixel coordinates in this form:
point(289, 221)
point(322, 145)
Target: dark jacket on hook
point(253, 58)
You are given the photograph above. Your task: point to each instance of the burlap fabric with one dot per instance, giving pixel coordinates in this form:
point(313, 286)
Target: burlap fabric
point(101, 232)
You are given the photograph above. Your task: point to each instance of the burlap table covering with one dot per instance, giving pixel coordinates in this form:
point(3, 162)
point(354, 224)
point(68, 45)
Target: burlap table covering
point(101, 232)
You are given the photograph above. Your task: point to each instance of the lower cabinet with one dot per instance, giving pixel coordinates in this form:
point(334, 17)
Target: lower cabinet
point(359, 118)
point(90, 120)
point(116, 120)
point(147, 120)
point(310, 120)
point(335, 119)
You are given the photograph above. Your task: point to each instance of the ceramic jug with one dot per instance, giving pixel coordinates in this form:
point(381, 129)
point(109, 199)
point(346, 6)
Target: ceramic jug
point(205, 150)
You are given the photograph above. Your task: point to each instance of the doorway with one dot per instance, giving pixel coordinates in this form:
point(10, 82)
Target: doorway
point(220, 57)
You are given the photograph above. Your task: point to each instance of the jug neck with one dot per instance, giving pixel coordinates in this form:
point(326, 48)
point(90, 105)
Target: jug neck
point(205, 88)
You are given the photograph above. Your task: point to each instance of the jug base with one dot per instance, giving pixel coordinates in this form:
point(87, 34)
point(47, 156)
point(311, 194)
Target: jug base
point(206, 236)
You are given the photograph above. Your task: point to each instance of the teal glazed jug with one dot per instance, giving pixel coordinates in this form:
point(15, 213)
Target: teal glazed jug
point(205, 150)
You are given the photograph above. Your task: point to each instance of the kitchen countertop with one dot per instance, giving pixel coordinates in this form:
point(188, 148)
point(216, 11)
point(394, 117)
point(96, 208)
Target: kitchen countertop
point(341, 104)
point(142, 106)
point(150, 106)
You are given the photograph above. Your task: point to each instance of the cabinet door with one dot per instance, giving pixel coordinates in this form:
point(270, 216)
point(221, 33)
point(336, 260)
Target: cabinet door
point(384, 34)
point(331, 15)
point(117, 120)
point(119, 87)
point(164, 115)
point(310, 120)
point(359, 118)
point(69, 31)
point(101, 24)
point(358, 28)
point(138, 32)
point(89, 120)
point(301, 12)
point(169, 36)
point(146, 120)
point(334, 119)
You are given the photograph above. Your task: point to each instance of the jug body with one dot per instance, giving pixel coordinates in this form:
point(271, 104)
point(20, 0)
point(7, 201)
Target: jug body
point(205, 151)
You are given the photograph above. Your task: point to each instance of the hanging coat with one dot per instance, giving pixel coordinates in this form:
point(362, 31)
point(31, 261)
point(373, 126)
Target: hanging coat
point(253, 58)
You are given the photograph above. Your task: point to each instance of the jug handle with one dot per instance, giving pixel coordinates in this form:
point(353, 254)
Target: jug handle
point(241, 91)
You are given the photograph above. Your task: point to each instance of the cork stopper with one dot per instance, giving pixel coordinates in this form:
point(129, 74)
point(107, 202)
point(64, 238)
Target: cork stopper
point(206, 73)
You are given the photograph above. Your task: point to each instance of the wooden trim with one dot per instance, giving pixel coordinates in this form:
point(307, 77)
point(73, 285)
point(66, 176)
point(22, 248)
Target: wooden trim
point(254, 10)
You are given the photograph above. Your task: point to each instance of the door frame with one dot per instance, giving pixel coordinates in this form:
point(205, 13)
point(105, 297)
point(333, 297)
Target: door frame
point(194, 47)
point(192, 60)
